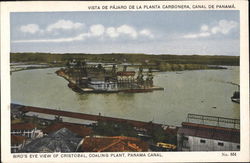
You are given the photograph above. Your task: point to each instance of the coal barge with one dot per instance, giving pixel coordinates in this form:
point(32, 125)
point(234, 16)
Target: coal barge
point(86, 77)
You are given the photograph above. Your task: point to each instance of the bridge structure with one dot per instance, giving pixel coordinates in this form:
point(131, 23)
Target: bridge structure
point(90, 117)
point(215, 120)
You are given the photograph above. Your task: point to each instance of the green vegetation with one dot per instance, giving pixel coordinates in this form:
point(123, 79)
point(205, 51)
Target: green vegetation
point(123, 129)
point(159, 135)
point(114, 129)
point(164, 62)
point(170, 138)
point(181, 67)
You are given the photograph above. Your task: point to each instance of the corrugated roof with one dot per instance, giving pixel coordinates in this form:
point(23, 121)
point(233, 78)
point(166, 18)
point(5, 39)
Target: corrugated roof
point(210, 132)
point(195, 125)
point(62, 140)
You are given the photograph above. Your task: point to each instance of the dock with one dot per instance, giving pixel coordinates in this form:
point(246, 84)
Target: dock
point(86, 78)
point(90, 117)
point(72, 84)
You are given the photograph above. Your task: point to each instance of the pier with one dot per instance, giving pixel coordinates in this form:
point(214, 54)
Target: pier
point(139, 124)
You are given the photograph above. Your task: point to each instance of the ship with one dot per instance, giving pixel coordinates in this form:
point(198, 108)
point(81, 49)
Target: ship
point(236, 96)
point(84, 77)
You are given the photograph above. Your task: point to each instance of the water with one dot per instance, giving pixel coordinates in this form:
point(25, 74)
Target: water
point(204, 92)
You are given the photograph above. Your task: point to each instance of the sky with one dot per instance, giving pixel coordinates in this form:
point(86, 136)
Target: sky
point(151, 32)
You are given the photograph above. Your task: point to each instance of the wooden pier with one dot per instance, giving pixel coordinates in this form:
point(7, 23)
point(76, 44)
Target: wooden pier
point(139, 124)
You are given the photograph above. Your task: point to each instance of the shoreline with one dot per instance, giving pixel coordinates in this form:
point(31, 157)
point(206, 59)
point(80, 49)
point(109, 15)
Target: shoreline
point(208, 67)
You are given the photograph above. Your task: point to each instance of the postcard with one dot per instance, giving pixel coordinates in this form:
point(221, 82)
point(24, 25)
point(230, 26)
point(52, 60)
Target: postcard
point(153, 81)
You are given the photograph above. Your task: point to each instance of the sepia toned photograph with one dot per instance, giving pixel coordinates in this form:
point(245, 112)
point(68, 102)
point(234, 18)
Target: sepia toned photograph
point(149, 82)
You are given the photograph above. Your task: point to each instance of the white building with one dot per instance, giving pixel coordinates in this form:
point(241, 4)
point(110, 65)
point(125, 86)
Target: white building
point(200, 137)
point(24, 129)
point(102, 85)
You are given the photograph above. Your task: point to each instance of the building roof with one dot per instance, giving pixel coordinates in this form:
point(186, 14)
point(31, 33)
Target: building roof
point(113, 144)
point(170, 129)
point(62, 140)
point(125, 73)
point(16, 139)
point(15, 106)
point(76, 128)
point(210, 132)
point(23, 126)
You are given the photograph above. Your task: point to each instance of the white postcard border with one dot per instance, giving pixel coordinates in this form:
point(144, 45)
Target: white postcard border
point(7, 7)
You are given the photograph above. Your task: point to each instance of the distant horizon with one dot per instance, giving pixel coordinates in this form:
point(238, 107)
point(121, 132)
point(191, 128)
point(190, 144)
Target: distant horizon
point(154, 32)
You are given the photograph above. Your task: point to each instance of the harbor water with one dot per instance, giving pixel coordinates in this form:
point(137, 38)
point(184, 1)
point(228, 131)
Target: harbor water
point(206, 92)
